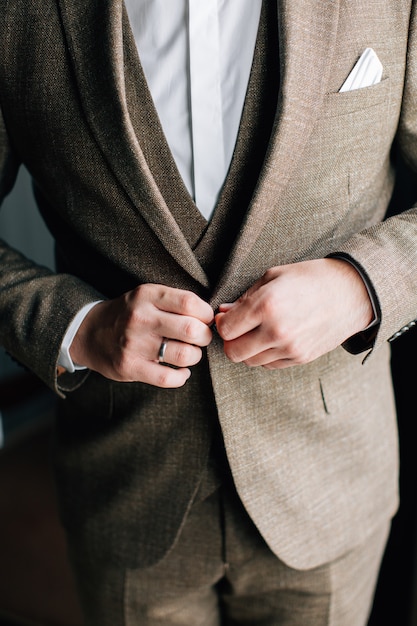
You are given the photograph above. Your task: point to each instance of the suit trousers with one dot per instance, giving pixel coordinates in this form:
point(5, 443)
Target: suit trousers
point(221, 572)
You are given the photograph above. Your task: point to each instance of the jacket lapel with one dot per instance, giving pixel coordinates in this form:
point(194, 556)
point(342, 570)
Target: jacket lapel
point(97, 32)
point(307, 34)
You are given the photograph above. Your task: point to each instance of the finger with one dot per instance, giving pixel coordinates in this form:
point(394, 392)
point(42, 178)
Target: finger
point(265, 358)
point(226, 306)
point(243, 317)
point(138, 369)
point(262, 348)
point(270, 361)
point(162, 376)
point(188, 330)
point(180, 354)
point(184, 303)
point(247, 347)
point(280, 364)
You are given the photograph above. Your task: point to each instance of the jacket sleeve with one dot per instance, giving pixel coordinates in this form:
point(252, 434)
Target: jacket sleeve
point(387, 252)
point(36, 305)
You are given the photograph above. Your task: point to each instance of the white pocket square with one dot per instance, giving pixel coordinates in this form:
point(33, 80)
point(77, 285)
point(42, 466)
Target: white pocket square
point(367, 71)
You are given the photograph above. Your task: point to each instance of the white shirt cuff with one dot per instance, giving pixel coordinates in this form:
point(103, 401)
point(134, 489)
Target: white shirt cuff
point(64, 359)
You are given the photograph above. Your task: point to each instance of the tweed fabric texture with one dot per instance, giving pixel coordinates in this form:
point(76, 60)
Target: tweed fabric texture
point(313, 449)
point(221, 572)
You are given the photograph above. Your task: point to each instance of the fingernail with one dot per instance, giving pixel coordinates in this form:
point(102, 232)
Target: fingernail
point(226, 306)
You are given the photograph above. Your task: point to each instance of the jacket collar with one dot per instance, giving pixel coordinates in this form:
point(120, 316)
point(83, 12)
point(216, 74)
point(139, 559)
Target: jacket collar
point(307, 35)
point(98, 35)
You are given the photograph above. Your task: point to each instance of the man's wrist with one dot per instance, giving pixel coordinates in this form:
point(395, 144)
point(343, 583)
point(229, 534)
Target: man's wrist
point(372, 297)
point(65, 362)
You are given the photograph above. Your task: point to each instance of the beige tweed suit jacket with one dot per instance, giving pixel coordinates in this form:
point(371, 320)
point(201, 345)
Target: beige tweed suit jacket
point(313, 449)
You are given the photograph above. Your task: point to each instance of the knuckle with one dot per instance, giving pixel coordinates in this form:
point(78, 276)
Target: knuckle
point(277, 335)
point(142, 292)
point(269, 274)
point(163, 377)
point(223, 328)
point(190, 330)
point(231, 354)
point(135, 318)
point(294, 350)
point(268, 307)
point(297, 358)
point(187, 302)
point(302, 358)
point(184, 355)
point(125, 345)
point(169, 378)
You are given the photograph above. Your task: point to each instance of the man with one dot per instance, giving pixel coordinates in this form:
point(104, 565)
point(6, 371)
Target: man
point(260, 488)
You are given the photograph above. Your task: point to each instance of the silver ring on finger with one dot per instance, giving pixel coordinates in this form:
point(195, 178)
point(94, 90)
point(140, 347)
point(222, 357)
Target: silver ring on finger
point(162, 349)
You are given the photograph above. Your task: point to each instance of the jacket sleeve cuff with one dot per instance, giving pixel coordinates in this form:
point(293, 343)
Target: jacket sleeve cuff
point(364, 340)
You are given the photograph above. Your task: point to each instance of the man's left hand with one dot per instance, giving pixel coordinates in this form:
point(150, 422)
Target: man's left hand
point(295, 314)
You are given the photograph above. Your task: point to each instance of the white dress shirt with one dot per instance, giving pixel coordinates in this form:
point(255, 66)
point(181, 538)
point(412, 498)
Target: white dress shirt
point(196, 56)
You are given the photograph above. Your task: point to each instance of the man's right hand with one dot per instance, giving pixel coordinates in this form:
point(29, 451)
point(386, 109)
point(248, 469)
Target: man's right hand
point(121, 338)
